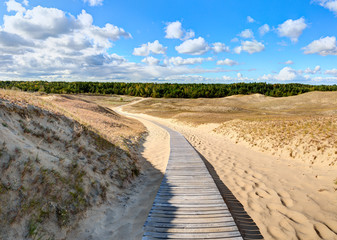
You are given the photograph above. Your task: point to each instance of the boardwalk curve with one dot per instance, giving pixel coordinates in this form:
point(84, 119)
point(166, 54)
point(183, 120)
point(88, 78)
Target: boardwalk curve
point(188, 204)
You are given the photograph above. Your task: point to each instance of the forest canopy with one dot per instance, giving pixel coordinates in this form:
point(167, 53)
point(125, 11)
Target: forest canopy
point(166, 90)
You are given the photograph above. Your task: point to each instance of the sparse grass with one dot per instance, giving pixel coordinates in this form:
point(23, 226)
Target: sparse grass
point(297, 126)
point(99, 144)
point(4, 124)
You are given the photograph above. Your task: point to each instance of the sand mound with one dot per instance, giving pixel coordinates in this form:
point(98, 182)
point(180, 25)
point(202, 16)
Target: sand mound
point(53, 169)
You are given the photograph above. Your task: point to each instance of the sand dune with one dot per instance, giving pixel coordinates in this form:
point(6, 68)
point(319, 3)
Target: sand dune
point(288, 198)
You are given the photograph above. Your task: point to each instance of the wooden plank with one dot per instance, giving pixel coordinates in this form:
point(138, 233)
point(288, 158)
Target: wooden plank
point(189, 209)
point(181, 212)
point(193, 230)
point(190, 225)
point(190, 220)
point(190, 197)
point(231, 234)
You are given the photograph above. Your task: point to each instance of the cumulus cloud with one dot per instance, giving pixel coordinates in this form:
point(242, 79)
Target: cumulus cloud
point(264, 29)
point(289, 62)
point(317, 69)
point(323, 46)
point(219, 47)
point(174, 30)
point(328, 4)
point(247, 33)
point(41, 23)
point(12, 5)
point(187, 61)
point(151, 61)
point(146, 49)
point(94, 2)
point(227, 62)
point(250, 19)
point(47, 42)
point(250, 47)
point(292, 29)
point(235, 39)
point(196, 46)
point(286, 74)
point(227, 78)
point(332, 72)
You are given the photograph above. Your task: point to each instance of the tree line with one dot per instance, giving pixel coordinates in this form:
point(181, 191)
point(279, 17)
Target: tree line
point(166, 90)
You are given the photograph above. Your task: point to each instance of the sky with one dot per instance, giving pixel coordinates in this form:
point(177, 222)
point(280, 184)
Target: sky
point(180, 41)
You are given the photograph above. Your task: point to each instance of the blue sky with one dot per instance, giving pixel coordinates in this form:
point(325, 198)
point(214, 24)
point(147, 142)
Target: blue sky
point(213, 41)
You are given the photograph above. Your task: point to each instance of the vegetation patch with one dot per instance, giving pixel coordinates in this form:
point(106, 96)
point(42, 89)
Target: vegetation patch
point(167, 90)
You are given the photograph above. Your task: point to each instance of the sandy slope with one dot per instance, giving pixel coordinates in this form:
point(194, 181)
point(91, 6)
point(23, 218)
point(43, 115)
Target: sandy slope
point(45, 156)
point(288, 199)
point(125, 219)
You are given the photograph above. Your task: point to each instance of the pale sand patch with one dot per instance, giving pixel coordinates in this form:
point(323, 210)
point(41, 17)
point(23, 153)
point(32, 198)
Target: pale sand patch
point(287, 198)
point(125, 219)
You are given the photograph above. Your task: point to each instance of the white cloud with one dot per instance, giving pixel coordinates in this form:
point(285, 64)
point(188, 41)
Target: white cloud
point(235, 40)
point(239, 75)
point(187, 61)
point(146, 49)
point(264, 29)
point(250, 47)
point(174, 30)
point(313, 71)
point(292, 28)
point(196, 46)
point(250, 19)
point(323, 46)
point(289, 62)
point(25, 2)
point(331, 72)
point(48, 43)
point(328, 4)
point(227, 62)
point(227, 78)
point(12, 5)
point(151, 61)
point(220, 47)
point(286, 74)
point(94, 2)
point(42, 23)
point(247, 33)
point(189, 34)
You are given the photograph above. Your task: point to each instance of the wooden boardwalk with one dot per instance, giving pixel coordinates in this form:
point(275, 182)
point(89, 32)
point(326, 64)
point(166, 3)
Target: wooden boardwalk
point(188, 204)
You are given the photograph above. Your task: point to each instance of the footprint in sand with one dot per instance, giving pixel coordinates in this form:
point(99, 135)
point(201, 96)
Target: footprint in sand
point(277, 233)
point(262, 193)
point(288, 202)
point(257, 175)
point(285, 199)
point(253, 195)
point(247, 187)
point(324, 232)
point(254, 206)
point(286, 226)
point(296, 216)
point(332, 225)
